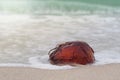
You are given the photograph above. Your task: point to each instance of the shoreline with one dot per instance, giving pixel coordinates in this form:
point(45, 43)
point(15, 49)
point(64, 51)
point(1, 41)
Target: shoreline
point(101, 72)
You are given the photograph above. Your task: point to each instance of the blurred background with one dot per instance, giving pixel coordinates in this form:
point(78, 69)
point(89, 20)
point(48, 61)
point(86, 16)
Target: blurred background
point(59, 7)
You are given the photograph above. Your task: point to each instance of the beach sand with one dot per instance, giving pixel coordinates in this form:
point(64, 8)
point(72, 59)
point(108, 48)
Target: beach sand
point(102, 72)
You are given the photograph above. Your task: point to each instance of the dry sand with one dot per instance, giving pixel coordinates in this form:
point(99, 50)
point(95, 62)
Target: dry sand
point(104, 72)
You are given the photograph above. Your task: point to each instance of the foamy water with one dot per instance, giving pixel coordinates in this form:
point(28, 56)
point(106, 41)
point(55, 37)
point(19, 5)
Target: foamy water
point(25, 40)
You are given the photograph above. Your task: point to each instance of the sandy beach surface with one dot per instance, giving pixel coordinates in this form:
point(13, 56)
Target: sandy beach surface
point(103, 72)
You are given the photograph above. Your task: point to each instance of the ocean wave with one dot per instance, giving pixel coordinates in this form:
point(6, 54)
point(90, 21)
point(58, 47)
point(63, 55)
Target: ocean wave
point(55, 7)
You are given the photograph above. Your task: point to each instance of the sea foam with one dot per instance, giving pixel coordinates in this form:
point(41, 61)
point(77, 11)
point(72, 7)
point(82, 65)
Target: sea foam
point(24, 37)
point(107, 57)
point(42, 62)
point(102, 58)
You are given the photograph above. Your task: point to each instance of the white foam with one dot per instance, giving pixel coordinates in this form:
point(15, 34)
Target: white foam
point(43, 62)
point(23, 36)
point(107, 57)
point(37, 62)
point(102, 58)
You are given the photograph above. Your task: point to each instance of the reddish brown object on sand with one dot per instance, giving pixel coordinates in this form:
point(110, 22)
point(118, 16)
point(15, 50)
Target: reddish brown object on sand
point(76, 52)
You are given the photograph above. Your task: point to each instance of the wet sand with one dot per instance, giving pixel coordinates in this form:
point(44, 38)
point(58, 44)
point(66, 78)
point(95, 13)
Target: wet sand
point(103, 72)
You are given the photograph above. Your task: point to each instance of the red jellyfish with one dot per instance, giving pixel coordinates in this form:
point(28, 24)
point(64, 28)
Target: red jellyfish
point(75, 52)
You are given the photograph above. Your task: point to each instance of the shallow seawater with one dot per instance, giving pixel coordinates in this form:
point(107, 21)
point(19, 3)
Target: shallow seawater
point(28, 30)
point(25, 40)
